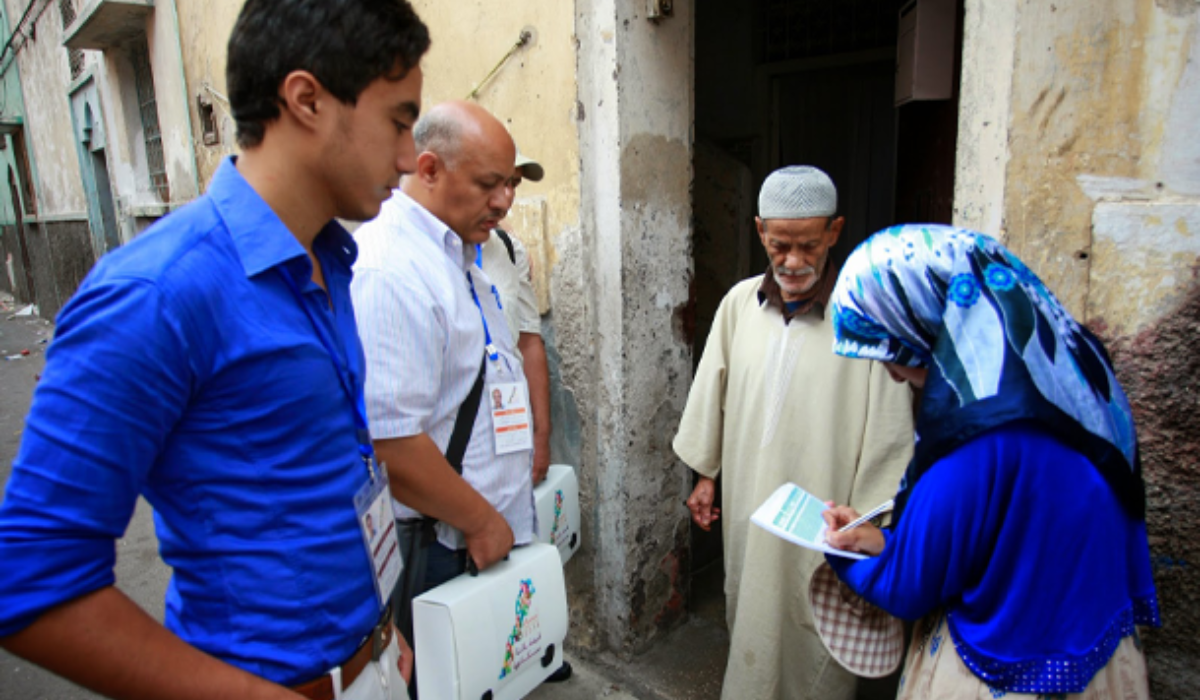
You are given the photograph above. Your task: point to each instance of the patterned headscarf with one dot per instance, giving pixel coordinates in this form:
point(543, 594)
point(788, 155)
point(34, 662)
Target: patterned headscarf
point(998, 345)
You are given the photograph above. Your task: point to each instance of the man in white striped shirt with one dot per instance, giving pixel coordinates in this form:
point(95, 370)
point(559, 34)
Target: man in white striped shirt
point(425, 314)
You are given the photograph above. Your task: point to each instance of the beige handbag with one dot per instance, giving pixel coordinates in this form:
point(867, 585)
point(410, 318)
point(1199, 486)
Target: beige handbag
point(864, 639)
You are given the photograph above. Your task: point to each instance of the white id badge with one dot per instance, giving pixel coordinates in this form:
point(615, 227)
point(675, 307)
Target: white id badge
point(373, 504)
point(512, 424)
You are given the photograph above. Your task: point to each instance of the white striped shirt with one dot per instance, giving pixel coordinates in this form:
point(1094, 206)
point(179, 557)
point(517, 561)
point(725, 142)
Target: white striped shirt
point(512, 279)
point(423, 337)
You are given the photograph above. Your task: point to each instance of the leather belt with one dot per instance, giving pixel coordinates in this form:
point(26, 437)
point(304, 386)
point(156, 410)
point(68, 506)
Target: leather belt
point(370, 650)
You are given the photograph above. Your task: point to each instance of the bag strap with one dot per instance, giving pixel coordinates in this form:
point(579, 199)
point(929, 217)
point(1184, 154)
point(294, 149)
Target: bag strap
point(464, 422)
point(423, 535)
point(512, 253)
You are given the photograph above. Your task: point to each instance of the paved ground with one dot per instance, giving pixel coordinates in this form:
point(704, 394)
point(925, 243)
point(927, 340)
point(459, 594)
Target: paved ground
point(685, 666)
point(139, 571)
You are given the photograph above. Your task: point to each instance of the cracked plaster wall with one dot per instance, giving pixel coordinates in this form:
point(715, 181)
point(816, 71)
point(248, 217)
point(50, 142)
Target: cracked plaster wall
point(628, 273)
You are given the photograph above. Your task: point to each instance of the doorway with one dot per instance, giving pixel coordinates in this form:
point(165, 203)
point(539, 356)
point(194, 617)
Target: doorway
point(783, 82)
point(104, 197)
point(840, 118)
point(29, 293)
point(93, 166)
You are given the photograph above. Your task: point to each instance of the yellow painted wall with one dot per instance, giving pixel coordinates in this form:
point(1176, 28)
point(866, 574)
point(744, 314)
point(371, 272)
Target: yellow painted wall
point(1094, 85)
point(204, 27)
point(533, 93)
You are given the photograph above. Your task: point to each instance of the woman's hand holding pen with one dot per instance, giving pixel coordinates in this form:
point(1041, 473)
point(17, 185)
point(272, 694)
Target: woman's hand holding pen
point(864, 538)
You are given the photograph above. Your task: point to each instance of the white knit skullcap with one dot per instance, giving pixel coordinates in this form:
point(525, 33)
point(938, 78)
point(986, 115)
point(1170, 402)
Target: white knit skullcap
point(797, 192)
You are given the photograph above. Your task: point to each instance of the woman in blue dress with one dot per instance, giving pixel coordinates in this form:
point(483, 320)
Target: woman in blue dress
point(1018, 540)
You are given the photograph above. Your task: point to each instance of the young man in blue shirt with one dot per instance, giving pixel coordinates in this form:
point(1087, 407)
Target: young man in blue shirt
point(213, 366)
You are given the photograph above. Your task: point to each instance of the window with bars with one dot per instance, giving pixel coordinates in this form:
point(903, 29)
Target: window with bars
point(75, 56)
point(66, 9)
point(148, 108)
point(807, 28)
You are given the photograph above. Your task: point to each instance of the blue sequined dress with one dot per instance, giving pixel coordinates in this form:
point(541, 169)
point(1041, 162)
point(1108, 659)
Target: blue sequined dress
point(1024, 544)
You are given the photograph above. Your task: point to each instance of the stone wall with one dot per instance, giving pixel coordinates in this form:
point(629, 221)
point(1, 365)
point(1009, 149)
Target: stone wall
point(60, 253)
point(73, 257)
point(1161, 370)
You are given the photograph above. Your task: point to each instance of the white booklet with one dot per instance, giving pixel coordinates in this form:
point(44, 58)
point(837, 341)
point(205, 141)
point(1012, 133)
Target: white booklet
point(795, 515)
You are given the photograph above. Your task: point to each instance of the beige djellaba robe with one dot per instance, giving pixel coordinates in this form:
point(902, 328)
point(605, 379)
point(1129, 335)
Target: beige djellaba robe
point(771, 403)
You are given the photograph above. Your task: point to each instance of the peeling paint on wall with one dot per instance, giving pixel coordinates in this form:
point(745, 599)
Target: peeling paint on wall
point(632, 358)
point(1142, 264)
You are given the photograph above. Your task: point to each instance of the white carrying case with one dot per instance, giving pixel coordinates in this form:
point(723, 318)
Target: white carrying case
point(557, 499)
point(495, 636)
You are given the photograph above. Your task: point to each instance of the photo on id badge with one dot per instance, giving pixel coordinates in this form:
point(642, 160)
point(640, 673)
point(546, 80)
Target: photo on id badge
point(374, 508)
point(511, 424)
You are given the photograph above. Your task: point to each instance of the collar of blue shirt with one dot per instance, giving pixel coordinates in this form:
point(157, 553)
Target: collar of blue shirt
point(259, 235)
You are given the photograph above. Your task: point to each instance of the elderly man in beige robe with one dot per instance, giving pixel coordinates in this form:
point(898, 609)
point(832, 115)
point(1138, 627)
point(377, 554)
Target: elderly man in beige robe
point(770, 404)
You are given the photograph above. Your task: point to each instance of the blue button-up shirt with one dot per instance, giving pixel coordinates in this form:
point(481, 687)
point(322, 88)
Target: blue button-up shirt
point(185, 370)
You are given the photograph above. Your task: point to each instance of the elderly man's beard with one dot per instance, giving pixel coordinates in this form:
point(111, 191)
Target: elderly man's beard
point(799, 281)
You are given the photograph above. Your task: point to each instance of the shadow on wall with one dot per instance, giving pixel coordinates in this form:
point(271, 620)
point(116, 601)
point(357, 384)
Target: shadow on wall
point(1160, 370)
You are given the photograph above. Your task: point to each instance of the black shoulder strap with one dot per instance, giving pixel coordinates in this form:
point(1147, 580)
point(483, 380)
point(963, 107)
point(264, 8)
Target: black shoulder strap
point(512, 253)
point(464, 422)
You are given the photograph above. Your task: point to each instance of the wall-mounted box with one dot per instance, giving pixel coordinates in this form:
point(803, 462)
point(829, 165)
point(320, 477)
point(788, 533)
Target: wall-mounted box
point(925, 51)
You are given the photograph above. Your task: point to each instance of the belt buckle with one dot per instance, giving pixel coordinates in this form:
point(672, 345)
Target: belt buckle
point(377, 634)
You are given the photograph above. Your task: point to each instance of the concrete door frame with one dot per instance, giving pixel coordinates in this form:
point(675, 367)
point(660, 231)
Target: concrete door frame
point(620, 317)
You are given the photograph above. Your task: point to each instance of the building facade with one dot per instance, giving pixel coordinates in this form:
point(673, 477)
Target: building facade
point(98, 128)
point(1066, 129)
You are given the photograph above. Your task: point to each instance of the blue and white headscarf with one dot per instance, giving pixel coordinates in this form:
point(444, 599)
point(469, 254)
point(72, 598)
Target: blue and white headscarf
point(998, 345)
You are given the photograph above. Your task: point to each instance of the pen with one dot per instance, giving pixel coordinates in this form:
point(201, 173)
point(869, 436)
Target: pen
point(873, 513)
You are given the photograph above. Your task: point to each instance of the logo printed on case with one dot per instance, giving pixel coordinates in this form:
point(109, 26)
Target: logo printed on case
point(524, 643)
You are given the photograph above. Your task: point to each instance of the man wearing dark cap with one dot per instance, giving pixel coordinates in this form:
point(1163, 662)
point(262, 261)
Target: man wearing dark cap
point(506, 262)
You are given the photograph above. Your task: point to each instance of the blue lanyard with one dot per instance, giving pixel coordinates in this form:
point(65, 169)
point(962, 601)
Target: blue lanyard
point(479, 264)
point(362, 433)
point(492, 353)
